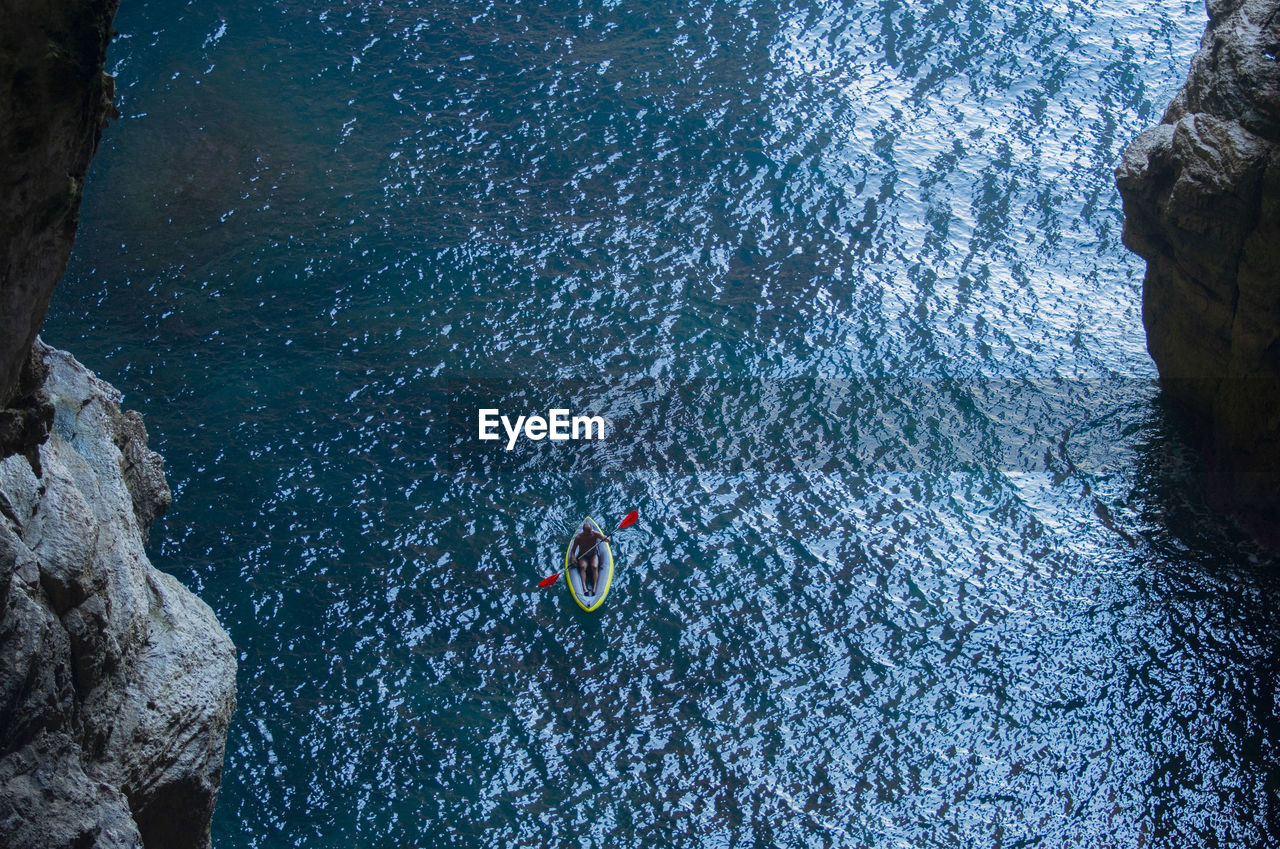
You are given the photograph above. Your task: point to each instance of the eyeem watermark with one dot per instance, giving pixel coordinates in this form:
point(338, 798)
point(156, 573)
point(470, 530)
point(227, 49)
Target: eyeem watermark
point(558, 426)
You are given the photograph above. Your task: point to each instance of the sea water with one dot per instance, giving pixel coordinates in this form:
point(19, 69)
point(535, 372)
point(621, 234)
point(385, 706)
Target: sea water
point(923, 559)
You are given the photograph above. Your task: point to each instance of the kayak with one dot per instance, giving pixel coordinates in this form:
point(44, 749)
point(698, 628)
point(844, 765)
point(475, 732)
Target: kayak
point(603, 579)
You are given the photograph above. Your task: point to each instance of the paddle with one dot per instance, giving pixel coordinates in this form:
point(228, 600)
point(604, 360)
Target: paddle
point(631, 519)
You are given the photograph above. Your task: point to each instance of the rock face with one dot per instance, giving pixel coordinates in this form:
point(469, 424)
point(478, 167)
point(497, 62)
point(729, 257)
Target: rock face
point(1201, 196)
point(54, 102)
point(116, 683)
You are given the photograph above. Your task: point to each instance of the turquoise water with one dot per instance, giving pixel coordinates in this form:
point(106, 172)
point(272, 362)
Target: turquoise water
point(922, 559)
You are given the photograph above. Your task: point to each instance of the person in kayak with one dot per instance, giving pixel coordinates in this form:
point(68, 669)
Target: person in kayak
point(586, 548)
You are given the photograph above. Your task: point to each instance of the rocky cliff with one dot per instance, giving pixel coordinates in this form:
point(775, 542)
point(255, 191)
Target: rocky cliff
point(54, 102)
point(116, 683)
point(1201, 194)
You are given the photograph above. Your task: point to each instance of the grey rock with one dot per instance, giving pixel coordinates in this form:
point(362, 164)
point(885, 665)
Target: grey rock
point(47, 775)
point(54, 102)
point(117, 684)
point(1201, 194)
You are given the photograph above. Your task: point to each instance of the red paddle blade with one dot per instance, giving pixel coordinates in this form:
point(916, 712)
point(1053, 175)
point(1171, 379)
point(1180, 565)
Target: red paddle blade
point(631, 519)
point(549, 580)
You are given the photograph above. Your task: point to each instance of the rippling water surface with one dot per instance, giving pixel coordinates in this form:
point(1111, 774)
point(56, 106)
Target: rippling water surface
point(921, 563)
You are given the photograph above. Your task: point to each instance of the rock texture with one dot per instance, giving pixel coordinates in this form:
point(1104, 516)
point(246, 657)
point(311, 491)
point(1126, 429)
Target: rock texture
point(54, 102)
point(1201, 196)
point(116, 683)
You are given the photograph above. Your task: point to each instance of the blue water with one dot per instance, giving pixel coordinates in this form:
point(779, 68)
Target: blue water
point(923, 560)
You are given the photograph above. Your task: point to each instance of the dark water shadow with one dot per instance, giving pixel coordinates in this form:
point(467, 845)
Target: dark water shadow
point(1195, 550)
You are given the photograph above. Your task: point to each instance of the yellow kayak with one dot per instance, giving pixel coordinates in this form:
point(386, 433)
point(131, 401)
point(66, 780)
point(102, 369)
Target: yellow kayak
point(603, 580)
